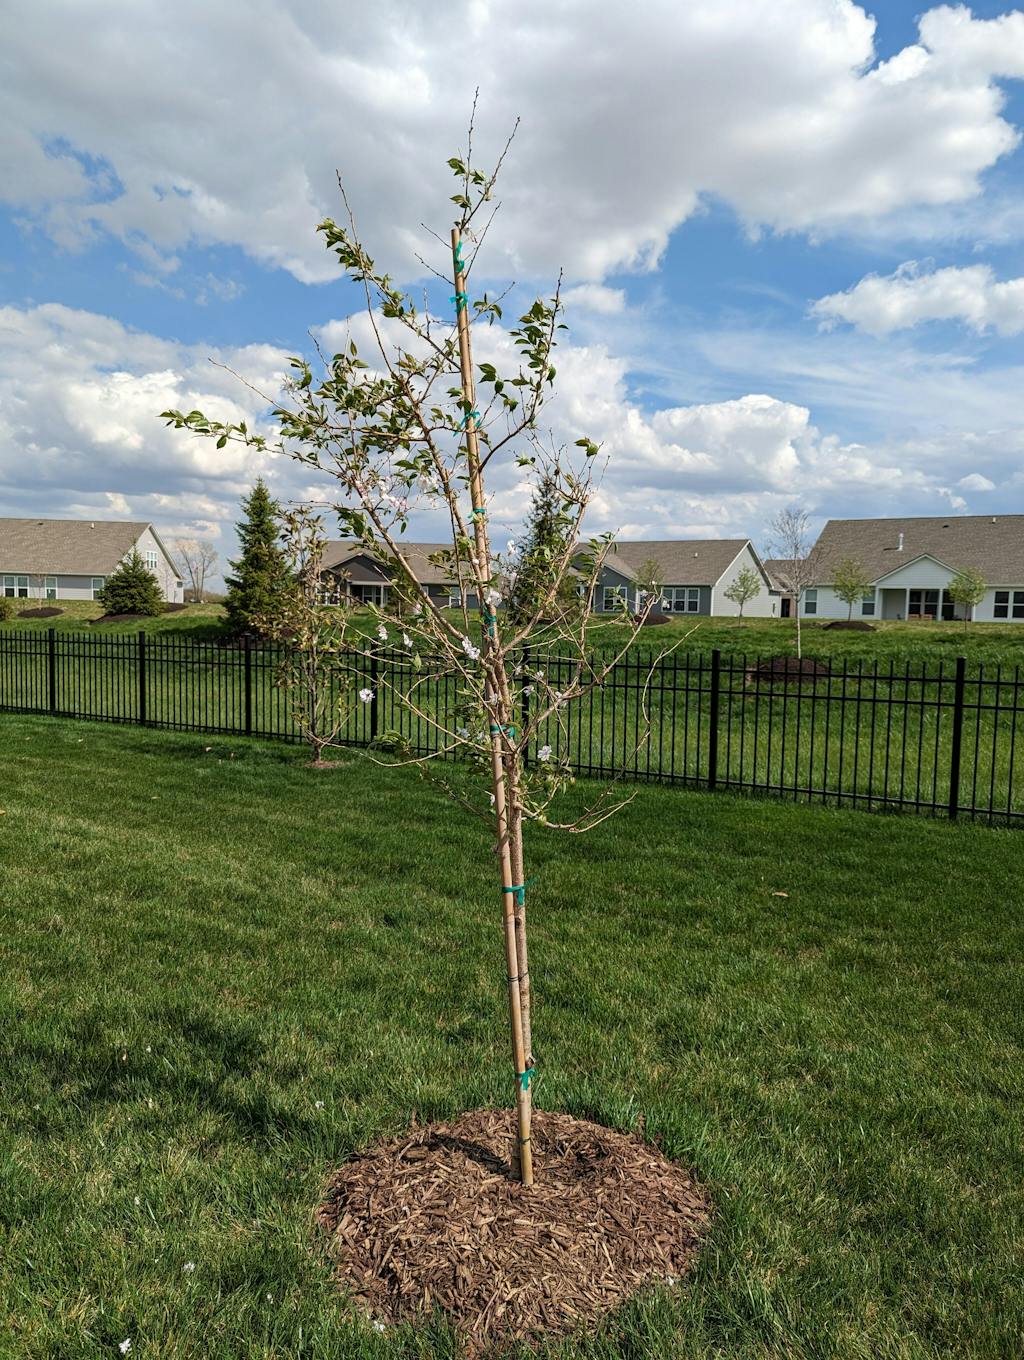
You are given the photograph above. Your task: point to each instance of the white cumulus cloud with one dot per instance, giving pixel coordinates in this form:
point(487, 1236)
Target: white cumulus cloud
point(224, 125)
point(971, 294)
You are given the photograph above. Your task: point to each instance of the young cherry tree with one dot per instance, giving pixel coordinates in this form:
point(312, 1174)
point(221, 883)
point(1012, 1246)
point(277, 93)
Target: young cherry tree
point(309, 620)
point(417, 425)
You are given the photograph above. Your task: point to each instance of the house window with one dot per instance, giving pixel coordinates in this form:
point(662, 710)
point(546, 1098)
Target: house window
point(98, 582)
point(16, 587)
point(867, 605)
point(151, 560)
point(454, 597)
point(613, 597)
point(51, 587)
point(811, 601)
point(924, 603)
point(1009, 604)
point(376, 596)
point(681, 599)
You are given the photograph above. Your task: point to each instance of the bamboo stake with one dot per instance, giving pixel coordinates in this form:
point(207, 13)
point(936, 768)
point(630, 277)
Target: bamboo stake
point(497, 695)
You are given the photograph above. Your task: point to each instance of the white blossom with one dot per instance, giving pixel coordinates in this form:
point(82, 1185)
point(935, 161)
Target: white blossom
point(511, 545)
point(188, 1267)
point(417, 609)
point(382, 633)
point(492, 597)
point(527, 689)
point(318, 1105)
point(559, 697)
point(125, 1346)
point(365, 695)
point(471, 649)
point(539, 677)
point(462, 732)
point(544, 753)
point(406, 640)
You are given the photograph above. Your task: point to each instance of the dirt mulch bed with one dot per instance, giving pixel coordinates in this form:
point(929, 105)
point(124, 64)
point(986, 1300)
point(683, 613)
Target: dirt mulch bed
point(434, 1219)
point(174, 608)
point(787, 670)
point(652, 620)
point(47, 612)
point(852, 626)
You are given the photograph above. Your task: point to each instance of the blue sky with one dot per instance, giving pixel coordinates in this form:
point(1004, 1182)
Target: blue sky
point(793, 238)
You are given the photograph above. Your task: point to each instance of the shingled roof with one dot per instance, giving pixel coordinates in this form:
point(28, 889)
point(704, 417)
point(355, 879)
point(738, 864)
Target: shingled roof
point(683, 562)
point(66, 547)
point(991, 544)
point(340, 552)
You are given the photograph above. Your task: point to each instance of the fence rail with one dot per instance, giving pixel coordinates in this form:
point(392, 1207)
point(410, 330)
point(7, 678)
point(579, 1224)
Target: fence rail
point(935, 739)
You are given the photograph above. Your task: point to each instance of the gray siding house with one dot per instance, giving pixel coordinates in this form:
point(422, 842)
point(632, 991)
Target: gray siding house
point(70, 559)
point(911, 563)
point(695, 575)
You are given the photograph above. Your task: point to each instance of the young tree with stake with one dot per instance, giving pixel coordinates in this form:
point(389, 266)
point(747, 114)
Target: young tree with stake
point(746, 587)
point(967, 589)
point(851, 582)
point(799, 565)
point(419, 424)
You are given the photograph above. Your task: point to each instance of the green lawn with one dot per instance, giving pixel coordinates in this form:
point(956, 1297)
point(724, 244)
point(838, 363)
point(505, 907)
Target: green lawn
point(223, 972)
point(900, 642)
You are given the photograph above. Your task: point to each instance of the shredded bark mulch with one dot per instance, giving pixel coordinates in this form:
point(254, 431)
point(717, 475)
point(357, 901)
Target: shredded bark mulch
point(852, 626)
point(787, 670)
point(46, 612)
point(436, 1220)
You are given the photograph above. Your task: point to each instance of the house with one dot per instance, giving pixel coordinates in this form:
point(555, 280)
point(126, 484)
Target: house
point(694, 573)
point(778, 573)
point(70, 559)
point(360, 575)
point(911, 562)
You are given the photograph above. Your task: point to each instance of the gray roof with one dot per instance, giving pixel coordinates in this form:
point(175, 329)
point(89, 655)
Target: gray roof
point(66, 547)
point(340, 552)
point(991, 544)
point(682, 561)
point(777, 567)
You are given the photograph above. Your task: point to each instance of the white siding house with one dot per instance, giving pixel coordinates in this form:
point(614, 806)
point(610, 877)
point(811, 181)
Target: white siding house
point(695, 575)
point(911, 563)
point(70, 559)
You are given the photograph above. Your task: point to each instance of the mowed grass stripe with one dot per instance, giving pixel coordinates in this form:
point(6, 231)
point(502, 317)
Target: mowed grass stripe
point(223, 972)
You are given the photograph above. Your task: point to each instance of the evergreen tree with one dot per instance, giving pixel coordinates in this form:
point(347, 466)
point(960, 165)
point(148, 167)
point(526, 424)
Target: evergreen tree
point(547, 528)
point(261, 572)
point(132, 589)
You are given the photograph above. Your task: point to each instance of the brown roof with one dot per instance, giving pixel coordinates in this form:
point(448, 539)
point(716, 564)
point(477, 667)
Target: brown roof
point(341, 551)
point(991, 544)
point(683, 561)
point(66, 547)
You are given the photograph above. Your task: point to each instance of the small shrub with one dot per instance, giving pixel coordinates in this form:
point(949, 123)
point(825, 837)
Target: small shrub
point(6, 609)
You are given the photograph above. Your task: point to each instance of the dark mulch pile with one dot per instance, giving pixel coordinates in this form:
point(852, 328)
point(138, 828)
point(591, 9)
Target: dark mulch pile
point(653, 619)
point(47, 612)
point(787, 669)
point(852, 626)
point(434, 1219)
point(174, 608)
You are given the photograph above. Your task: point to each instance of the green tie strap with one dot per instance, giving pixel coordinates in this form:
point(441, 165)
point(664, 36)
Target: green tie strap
point(524, 1077)
point(460, 299)
point(460, 263)
point(520, 891)
point(465, 419)
point(479, 509)
point(495, 729)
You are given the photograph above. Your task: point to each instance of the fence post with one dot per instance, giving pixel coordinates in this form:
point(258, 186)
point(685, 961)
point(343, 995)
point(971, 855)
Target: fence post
point(524, 700)
point(248, 684)
point(374, 732)
point(142, 678)
point(958, 730)
point(716, 676)
point(51, 642)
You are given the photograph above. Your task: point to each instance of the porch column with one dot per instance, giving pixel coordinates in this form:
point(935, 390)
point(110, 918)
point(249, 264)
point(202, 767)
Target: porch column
point(906, 604)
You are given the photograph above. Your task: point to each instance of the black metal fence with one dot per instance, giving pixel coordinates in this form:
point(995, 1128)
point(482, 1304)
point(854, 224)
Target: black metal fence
point(938, 739)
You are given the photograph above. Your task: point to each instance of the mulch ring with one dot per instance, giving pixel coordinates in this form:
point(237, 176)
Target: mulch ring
point(787, 670)
point(435, 1220)
point(851, 626)
point(47, 612)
